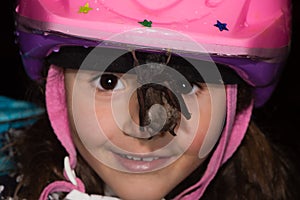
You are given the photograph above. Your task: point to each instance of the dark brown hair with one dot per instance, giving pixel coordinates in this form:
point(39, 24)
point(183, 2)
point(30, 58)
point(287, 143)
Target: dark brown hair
point(257, 170)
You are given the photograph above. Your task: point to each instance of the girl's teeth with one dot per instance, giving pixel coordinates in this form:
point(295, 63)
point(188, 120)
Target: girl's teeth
point(149, 159)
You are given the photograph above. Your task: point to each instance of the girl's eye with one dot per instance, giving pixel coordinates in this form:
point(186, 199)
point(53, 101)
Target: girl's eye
point(109, 82)
point(185, 87)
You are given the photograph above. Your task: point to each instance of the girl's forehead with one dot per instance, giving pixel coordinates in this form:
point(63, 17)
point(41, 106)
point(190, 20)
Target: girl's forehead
point(123, 61)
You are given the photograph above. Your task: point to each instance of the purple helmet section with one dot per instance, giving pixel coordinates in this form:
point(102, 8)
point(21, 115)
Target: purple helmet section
point(35, 47)
point(263, 76)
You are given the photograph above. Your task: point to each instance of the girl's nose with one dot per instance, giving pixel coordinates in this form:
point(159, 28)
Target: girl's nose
point(147, 117)
point(132, 125)
point(155, 109)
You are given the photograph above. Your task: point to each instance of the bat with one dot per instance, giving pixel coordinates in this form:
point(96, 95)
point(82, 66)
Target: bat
point(158, 86)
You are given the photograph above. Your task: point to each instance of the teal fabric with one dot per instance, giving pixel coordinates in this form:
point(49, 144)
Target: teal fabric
point(14, 114)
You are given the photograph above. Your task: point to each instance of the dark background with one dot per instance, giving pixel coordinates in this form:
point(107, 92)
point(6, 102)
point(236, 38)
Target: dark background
point(279, 118)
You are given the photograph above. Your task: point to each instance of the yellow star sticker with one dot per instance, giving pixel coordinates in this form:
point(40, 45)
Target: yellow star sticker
point(85, 9)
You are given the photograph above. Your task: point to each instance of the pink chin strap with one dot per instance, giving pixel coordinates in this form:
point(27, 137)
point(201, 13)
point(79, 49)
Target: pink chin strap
point(58, 115)
point(232, 135)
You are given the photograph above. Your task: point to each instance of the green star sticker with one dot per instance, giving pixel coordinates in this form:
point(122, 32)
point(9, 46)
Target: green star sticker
point(85, 9)
point(146, 23)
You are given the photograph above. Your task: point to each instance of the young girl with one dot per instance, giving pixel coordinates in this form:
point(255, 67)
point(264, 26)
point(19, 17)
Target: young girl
point(152, 100)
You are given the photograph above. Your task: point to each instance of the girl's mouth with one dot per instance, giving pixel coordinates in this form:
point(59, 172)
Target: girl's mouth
point(141, 164)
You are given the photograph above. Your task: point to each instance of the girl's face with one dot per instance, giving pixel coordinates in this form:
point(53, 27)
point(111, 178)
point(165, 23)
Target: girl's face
point(104, 116)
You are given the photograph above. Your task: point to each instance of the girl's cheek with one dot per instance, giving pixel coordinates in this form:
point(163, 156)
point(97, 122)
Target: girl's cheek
point(200, 134)
point(211, 121)
point(91, 122)
point(90, 116)
point(105, 122)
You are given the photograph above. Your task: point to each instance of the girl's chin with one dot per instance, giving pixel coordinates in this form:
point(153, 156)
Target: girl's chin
point(132, 192)
point(154, 185)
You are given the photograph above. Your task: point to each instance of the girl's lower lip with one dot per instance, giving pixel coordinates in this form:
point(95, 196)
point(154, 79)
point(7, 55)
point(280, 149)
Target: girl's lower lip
point(136, 166)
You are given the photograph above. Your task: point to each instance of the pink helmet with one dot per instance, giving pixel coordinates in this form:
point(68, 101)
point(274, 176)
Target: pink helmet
point(252, 37)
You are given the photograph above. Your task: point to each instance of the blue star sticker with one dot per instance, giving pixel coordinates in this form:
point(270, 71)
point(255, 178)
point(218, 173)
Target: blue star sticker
point(221, 26)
